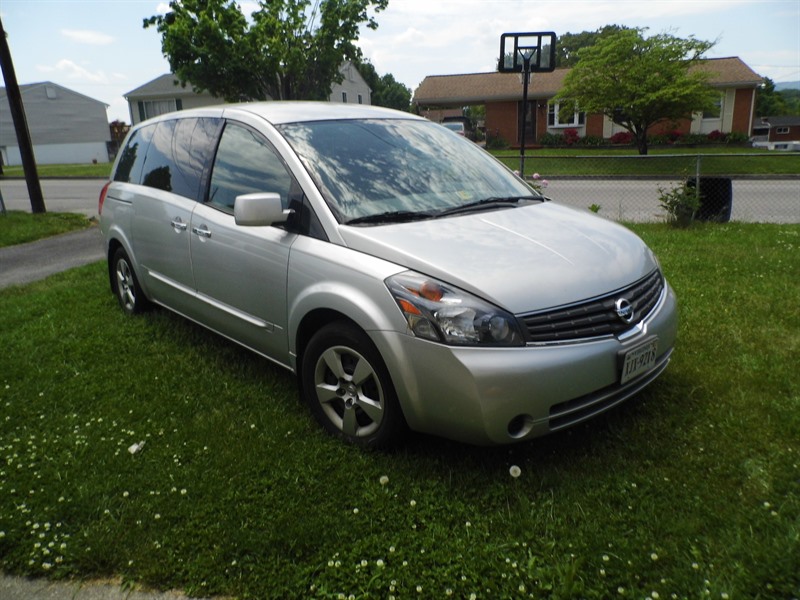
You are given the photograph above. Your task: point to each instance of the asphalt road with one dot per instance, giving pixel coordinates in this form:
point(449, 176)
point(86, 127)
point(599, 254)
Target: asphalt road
point(60, 195)
point(754, 200)
point(34, 261)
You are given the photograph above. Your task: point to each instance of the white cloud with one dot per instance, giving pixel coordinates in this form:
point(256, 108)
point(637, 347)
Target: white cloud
point(85, 36)
point(162, 8)
point(69, 70)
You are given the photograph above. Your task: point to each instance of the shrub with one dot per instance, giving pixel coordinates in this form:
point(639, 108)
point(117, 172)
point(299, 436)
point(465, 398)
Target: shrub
point(737, 137)
point(716, 136)
point(591, 140)
point(495, 142)
point(571, 137)
point(621, 137)
point(551, 139)
point(681, 203)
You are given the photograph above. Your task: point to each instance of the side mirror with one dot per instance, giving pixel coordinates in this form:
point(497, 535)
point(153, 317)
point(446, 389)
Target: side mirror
point(260, 209)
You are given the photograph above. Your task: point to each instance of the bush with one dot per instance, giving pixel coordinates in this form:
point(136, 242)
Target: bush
point(570, 137)
point(621, 137)
point(551, 139)
point(737, 137)
point(681, 203)
point(591, 140)
point(495, 142)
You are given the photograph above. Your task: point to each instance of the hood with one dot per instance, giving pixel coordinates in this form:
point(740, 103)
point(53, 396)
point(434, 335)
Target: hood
point(522, 259)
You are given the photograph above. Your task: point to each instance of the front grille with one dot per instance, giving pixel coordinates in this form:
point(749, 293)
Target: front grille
point(594, 318)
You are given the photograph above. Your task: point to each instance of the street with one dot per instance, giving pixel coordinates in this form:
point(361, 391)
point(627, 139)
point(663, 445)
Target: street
point(754, 200)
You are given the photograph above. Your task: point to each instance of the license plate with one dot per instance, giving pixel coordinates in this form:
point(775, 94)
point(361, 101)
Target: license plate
point(639, 360)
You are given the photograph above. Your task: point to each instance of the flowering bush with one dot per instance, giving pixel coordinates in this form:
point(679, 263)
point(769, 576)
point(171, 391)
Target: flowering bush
point(621, 137)
point(571, 137)
point(537, 183)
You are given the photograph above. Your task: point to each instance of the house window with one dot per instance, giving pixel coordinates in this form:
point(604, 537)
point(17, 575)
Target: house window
point(344, 97)
point(51, 92)
point(781, 130)
point(360, 99)
point(564, 115)
point(715, 111)
point(153, 108)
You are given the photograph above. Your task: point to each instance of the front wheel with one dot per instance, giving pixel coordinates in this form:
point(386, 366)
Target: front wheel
point(348, 388)
point(125, 284)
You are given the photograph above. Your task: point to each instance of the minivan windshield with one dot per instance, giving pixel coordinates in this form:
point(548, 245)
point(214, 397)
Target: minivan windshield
point(399, 167)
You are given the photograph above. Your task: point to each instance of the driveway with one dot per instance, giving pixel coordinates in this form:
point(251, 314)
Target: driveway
point(30, 262)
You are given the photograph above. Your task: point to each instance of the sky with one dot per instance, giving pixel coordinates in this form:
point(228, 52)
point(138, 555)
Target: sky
point(100, 49)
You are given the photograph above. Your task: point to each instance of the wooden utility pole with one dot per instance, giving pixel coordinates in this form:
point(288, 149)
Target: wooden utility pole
point(20, 126)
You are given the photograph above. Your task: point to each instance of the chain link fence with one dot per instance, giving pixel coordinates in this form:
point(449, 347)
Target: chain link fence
point(754, 188)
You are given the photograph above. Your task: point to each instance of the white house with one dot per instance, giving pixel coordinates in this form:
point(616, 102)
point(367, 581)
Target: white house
point(165, 94)
point(65, 126)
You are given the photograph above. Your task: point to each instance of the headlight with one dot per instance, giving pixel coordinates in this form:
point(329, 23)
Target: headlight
point(441, 313)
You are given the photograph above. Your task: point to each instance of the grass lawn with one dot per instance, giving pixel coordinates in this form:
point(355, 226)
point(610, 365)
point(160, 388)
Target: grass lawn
point(18, 227)
point(692, 490)
point(670, 162)
point(102, 170)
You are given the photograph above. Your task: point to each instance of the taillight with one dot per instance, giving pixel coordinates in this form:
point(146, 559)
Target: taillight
point(100, 202)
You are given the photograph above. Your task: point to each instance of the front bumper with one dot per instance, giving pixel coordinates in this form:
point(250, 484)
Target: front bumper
point(502, 395)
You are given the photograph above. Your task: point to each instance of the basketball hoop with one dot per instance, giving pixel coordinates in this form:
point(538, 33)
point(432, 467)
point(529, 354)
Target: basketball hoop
point(533, 52)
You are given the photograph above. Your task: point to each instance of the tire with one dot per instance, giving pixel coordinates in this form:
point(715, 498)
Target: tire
point(345, 383)
point(125, 285)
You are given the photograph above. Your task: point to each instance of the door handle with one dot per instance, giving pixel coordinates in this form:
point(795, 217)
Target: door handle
point(178, 224)
point(202, 231)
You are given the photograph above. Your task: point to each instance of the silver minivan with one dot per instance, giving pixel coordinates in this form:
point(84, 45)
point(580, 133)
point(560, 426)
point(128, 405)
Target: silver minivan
point(408, 278)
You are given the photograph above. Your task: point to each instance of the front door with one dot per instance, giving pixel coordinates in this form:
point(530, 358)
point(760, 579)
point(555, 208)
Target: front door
point(241, 272)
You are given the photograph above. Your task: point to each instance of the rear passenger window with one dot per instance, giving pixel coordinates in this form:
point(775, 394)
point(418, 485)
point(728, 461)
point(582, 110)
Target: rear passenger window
point(178, 153)
point(129, 167)
point(246, 163)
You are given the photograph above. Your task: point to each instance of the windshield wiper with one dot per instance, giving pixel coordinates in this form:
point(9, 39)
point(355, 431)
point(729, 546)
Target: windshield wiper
point(498, 201)
point(392, 216)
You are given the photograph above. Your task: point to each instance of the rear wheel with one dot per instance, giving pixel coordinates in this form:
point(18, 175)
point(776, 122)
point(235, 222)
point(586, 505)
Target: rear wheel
point(348, 389)
point(125, 284)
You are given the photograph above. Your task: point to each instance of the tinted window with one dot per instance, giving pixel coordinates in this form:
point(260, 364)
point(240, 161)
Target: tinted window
point(129, 167)
point(246, 163)
point(178, 154)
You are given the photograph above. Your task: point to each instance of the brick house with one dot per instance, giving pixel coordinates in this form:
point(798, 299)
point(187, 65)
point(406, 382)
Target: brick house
point(501, 94)
point(779, 129)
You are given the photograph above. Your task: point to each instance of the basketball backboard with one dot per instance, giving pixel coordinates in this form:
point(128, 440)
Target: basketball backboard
point(538, 48)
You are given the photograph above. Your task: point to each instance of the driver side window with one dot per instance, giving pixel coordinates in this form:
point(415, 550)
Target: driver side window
point(246, 163)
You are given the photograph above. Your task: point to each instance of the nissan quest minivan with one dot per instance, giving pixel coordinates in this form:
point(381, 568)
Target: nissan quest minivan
point(408, 279)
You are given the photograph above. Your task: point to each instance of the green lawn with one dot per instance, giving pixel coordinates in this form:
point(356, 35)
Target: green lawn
point(692, 490)
point(660, 162)
point(18, 227)
point(101, 170)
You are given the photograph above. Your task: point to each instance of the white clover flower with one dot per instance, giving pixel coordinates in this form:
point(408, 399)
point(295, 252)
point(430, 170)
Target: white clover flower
point(413, 503)
point(379, 562)
point(654, 556)
point(384, 479)
point(515, 471)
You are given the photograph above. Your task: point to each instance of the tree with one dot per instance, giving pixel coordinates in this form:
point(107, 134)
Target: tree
point(769, 103)
point(639, 82)
point(570, 43)
point(386, 90)
point(283, 51)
